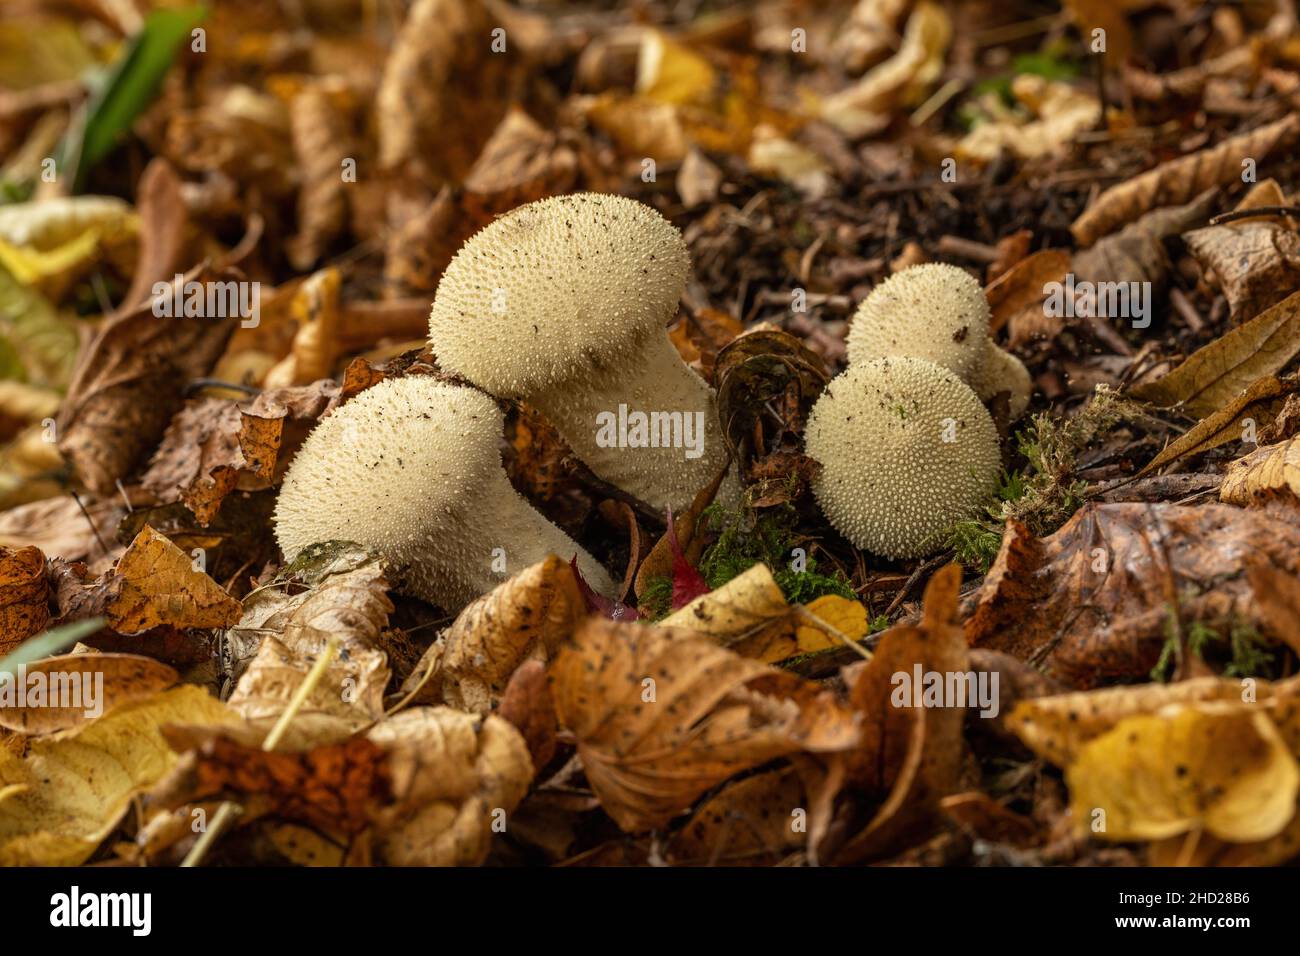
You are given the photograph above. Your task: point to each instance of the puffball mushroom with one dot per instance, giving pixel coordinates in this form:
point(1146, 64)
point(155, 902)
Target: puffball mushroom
point(938, 312)
point(906, 450)
point(564, 304)
point(411, 469)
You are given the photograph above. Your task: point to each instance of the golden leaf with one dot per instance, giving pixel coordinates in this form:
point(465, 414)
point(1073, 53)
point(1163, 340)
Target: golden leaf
point(70, 791)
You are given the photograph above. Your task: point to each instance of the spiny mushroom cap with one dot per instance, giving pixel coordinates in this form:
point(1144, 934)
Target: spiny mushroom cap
point(933, 311)
point(1003, 372)
point(556, 291)
point(385, 469)
point(890, 482)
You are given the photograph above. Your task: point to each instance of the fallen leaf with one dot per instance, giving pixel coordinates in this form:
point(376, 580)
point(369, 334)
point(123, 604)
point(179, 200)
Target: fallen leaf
point(1136, 253)
point(1179, 180)
point(129, 382)
point(1219, 767)
point(865, 107)
point(662, 715)
point(752, 822)
point(454, 779)
point(1259, 403)
point(1217, 373)
point(524, 618)
point(1094, 600)
point(1056, 113)
point(78, 688)
point(320, 120)
point(1022, 286)
point(281, 634)
point(72, 788)
point(1266, 470)
point(911, 753)
point(24, 596)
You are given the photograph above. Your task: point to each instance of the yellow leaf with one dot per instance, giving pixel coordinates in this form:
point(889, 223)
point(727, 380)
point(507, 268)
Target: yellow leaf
point(59, 802)
point(1272, 468)
point(868, 104)
point(1219, 767)
point(161, 586)
point(748, 602)
point(669, 72)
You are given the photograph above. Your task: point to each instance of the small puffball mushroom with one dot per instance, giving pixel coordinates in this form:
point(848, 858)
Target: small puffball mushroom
point(938, 312)
point(564, 304)
point(906, 451)
point(411, 469)
point(933, 311)
point(1003, 372)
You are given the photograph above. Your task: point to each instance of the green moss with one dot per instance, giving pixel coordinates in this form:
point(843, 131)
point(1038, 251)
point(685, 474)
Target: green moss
point(745, 539)
point(1044, 492)
point(656, 600)
point(1238, 642)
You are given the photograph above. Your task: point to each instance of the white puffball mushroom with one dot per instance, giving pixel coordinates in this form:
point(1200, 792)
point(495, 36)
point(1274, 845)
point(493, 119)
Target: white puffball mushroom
point(932, 311)
point(564, 304)
point(411, 469)
point(1003, 372)
point(906, 450)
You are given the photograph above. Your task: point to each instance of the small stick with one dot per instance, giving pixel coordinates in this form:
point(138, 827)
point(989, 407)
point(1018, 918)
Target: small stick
point(77, 498)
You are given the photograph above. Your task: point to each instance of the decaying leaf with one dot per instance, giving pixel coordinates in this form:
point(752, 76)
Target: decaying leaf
point(1057, 112)
point(1217, 373)
point(153, 584)
point(283, 632)
point(72, 788)
point(24, 596)
point(866, 106)
point(1266, 470)
point(524, 618)
point(1179, 180)
point(1136, 253)
point(1219, 767)
point(910, 751)
point(1022, 286)
point(751, 616)
point(129, 382)
point(1259, 403)
point(1095, 599)
point(454, 779)
point(94, 684)
point(661, 715)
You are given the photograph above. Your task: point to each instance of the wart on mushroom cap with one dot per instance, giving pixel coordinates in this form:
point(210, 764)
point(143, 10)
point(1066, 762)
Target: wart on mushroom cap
point(411, 468)
point(938, 312)
point(564, 304)
point(890, 481)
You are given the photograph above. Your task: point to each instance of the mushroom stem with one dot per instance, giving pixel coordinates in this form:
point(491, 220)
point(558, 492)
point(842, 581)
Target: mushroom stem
point(649, 427)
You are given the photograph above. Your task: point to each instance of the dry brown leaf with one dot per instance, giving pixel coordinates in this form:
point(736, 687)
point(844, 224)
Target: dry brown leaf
point(866, 106)
point(78, 688)
point(430, 119)
point(320, 121)
point(869, 34)
point(1090, 15)
point(1267, 470)
point(1057, 113)
point(129, 383)
point(1022, 286)
point(753, 822)
point(1256, 262)
point(59, 528)
point(1093, 601)
point(1216, 374)
point(1260, 402)
point(154, 584)
point(661, 715)
point(455, 778)
point(1136, 253)
point(751, 616)
point(913, 754)
point(524, 618)
point(1179, 180)
point(283, 633)
point(24, 596)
